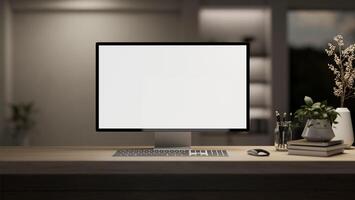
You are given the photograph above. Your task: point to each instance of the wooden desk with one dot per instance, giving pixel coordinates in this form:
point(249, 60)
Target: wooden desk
point(92, 172)
point(99, 160)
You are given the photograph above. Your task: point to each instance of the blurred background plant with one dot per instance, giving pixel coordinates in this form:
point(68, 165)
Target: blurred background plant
point(22, 121)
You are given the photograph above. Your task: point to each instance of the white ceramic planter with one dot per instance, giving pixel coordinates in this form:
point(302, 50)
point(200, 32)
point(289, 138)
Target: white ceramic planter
point(343, 130)
point(318, 130)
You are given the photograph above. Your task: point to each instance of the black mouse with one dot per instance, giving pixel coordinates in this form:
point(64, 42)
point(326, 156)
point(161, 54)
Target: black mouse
point(258, 152)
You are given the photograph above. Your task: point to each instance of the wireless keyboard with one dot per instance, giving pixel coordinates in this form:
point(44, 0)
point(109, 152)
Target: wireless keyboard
point(170, 153)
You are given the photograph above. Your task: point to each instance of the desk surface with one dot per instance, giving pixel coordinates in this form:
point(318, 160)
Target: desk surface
point(99, 160)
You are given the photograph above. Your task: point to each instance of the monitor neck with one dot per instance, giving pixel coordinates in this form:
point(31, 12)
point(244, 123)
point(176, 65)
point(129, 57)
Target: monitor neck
point(173, 139)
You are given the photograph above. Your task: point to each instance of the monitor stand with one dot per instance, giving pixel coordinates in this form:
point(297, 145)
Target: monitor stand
point(173, 140)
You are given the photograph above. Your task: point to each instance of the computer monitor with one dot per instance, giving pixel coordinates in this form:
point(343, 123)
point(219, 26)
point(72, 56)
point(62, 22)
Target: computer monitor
point(172, 89)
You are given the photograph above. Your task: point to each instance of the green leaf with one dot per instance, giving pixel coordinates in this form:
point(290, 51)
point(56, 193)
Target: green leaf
point(316, 105)
point(308, 100)
point(318, 110)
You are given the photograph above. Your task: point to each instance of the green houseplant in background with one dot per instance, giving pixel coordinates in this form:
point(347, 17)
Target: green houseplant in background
point(22, 121)
point(319, 118)
point(344, 76)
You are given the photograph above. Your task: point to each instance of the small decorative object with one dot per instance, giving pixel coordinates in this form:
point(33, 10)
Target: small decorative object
point(319, 118)
point(344, 88)
point(283, 131)
point(22, 121)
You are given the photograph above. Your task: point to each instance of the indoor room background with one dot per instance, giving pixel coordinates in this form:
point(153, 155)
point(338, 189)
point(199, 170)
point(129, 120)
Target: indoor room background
point(47, 55)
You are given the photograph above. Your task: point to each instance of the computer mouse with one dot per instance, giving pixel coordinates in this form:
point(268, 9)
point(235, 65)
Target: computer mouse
point(258, 152)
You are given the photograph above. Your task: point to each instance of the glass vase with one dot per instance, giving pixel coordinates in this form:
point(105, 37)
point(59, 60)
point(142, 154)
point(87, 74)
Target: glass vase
point(283, 134)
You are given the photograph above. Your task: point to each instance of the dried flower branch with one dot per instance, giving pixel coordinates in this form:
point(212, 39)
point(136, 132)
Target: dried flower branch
point(343, 70)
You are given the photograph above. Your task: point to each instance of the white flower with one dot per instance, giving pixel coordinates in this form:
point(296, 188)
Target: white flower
point(331, 67)
point(337, 59)
point(349, 50)
point(343, 70)
point(339, 40)
point(330, 50)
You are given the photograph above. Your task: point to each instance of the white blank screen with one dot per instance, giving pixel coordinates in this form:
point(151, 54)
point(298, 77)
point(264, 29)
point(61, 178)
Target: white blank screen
point(172, 87)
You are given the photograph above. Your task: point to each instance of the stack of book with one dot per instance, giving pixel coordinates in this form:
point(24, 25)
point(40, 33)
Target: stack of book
point(323, 149)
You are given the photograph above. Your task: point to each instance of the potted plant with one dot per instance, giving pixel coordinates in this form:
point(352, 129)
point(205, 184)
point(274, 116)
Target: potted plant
point(319, 118)
point(344, 76)
point(22, 121)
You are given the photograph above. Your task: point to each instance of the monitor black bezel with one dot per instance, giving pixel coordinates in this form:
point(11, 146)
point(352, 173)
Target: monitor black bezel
point(98, 129)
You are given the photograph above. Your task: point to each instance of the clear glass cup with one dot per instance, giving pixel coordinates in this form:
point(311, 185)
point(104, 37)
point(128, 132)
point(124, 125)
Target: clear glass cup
point(283, 134)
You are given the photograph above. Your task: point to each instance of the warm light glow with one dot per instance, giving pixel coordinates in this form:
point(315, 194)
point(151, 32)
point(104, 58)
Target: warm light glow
point(232, 24)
